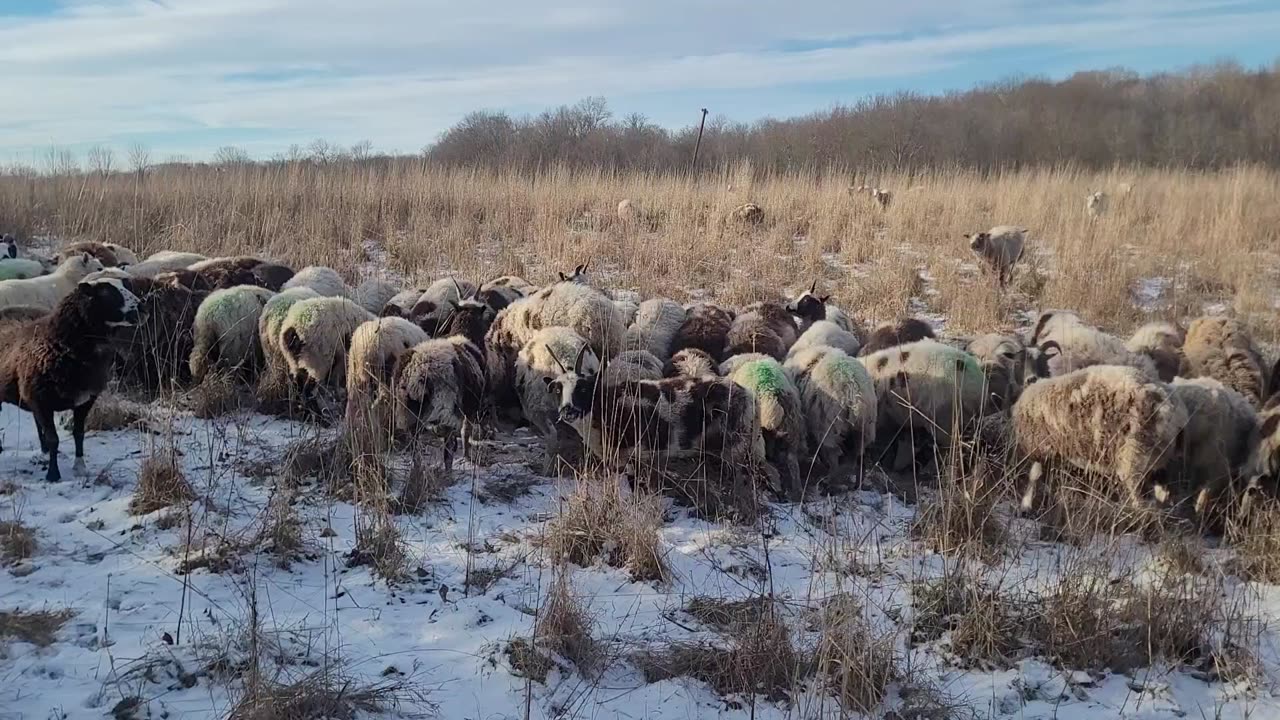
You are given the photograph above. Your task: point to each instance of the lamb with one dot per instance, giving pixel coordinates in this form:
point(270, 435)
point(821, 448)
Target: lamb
point(1067, 344)
point(763, 327)
point(323, 280)
point(1162, 342)
point(16, 268)
point(47, 290)
point(930, 386)
point(888, 335)
point(62, 361)
point(373, 294)
point(706, 418)
point(1000, 248)
point(164, 261)
point(1105, 419)
point(439, 385)
point(95, 249)
point(747, 213)
point(1221, 348)
point(628, 212)
point(314, 338)
point(270, 321)
point(810, 308)
point(881, 197)
point(706, 327)
point(226, 331)
point(1095, 204)
point(435, 305)
point(657, 322)
point(542, 358)
point(782, 421)
point(376, 346)
point(839, 402)
point(825, 333)
point(1219, 440)
point(691, 362)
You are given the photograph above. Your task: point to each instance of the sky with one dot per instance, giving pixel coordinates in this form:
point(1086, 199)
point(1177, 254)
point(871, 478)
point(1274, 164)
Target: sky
point(185, 77)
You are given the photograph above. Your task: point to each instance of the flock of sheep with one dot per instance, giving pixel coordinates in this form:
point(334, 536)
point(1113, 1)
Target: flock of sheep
point(777, 394)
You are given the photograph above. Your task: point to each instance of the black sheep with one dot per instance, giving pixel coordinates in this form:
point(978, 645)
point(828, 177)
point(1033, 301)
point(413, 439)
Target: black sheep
point(63, 361)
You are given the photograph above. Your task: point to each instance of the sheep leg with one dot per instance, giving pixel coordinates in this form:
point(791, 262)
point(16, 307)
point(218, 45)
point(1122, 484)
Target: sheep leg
point(1033, 480)
point(450, 447)
point(78, 416)
point(48, 441)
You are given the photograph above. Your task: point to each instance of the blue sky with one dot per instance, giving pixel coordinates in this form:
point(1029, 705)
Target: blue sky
point(185, 77)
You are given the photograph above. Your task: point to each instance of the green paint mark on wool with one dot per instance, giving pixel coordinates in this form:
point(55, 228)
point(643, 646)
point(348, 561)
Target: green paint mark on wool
point(843, 370)
point(764, 377)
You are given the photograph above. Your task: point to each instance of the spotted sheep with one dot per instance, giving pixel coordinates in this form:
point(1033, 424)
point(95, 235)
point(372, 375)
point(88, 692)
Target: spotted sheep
point(542, 358)
point(893, 334)
point(763, 327)
point(810, 308)
point(376, 346)
point(706, 327)
point(62, 361)
point(1066, 343)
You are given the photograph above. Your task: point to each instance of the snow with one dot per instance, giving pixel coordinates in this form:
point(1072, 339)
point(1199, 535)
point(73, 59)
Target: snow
point(120, 575)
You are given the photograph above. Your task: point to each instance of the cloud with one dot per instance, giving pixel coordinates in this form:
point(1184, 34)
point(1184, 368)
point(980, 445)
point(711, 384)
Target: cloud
point(189, 73)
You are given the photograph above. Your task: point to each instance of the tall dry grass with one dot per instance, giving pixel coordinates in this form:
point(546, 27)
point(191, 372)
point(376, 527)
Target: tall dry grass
point(1211, 237)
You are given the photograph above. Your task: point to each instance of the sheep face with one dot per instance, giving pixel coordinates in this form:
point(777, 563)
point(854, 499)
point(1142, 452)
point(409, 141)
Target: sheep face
point(978, 241)
point(10, 246)
point(809, 306)
point(579, 275)
point(108, 302)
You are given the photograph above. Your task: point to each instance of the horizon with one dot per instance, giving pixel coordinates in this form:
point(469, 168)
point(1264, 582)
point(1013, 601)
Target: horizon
point(187, 77)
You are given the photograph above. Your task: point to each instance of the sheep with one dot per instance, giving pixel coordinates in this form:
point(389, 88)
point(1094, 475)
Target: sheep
point(314, 338)
point(1219, 440)
point(1264, 468)
point(156, 353)
point(579, 275)
point(1095, 204)
point(747, 213)
point(657, 322)
point(164, 261)
point(114, 273)
point(810, 308)
point(929, 386)
point(1000, 248)
point(1006, 363)
point(373, 294)
point(633, 365)
point(1107, 419)
point(1162, 342)
point(271, 276)
point(62, 361)
point(779, 413)
point(270, 321)
point(323, 280)
point(375, 347)
point(825, 333)
point(124, 256)
point(1221, 348)
point(436, 303)
point(98, 250)
point(226, 331)
point(245, 262)
point(691, 362)
point(15, 268)
point(10, 249)
point(839, 402)
point(401, 303)
point(1067, 344)
point(540, 359)
point(881, 196)
point(439, 385)
point(706, 327)
point(627, 311)
point(763, 327)
point(1124, 189)
point(498, 298)
point(47, 290)
point(628, 212)
point(706, 418)
point(888, 335)
point(514, 282)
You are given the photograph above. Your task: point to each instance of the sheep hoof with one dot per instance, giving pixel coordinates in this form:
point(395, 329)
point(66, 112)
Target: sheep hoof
point(79, 469)
point(52, 474)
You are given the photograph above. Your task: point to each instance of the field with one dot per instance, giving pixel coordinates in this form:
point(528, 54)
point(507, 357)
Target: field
point(217, 564)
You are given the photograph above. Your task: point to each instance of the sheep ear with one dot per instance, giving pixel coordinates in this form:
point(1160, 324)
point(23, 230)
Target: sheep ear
point(84, 257)
point(824, 299)
point(968, 236)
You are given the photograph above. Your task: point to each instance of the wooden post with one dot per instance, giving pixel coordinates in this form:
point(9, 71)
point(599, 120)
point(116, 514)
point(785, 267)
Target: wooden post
point(698, 145)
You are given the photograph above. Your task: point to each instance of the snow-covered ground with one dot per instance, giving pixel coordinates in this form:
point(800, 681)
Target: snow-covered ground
point(120, 576)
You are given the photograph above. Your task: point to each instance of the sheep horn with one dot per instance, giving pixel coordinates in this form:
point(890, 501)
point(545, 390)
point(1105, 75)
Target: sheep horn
point(456, 287)
point(577, 361)
point(559, 364)
point(814, 287)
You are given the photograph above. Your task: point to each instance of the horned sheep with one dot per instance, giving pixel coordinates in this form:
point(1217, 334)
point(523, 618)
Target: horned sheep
point(543, 358)
point(1162, 342)
point(47, 290)
point(62, 361)
point(1067, 343)
point(226, 331)
point(1219, 440)
point(810, 307)
point(1221, 348)
point(763, 327)
point(839, 402)
point(1000, 248)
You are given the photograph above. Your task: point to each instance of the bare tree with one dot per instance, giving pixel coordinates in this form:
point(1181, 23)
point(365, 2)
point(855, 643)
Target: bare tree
point(139, 158)
point(101, 160)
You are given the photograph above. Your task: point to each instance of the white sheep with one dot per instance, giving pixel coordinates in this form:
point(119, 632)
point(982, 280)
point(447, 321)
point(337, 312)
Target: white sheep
point(1095, 204)
point(269, 323)
point(825, 333)
point(1067, 344)
point(633, 365)
point(929, 386)
point(838, 397)
point(375, 347)
point(14, 268)
point(226, 330)
point(323, 280)
point(627, 311)
point(1006, 363)
point(544, 357)
point(628, 212)
point(515, 282)
point(779, 412)
point(1162, 342)
point(1220, 439)
point(1222, 349)
point(373, 294)
point(1000, 248)
point(691, 362)
point(163, 262)
point(124, 256)
point(315, 336)
point(655, 326)
point(1105, 419)
point(45, 291)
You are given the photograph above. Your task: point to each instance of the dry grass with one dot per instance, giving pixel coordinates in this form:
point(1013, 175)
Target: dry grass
point(963, 520)
point(324, 694)
point(1254, 533)
point(111, 412)
point(38, 627)
point(380, 545)
point(17, 542)
point(1207, 233)
point(161, 484)
point(562, 633)
point(981, 619)
point(857, 662)
point(217, 395)
point(599, 521)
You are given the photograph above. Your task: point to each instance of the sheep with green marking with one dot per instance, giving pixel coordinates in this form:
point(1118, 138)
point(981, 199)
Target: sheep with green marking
point(275, 367)
point(839, 402)
point(779, 412)
point(929, 386)
point(226, 331)
point(315, 336)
